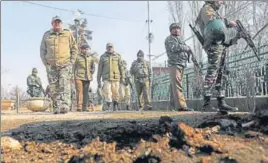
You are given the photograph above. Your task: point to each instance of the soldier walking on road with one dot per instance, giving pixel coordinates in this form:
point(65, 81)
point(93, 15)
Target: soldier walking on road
point(84, 69)
point(111, 71)
point(58, 52)
point(218, 33)
point(141, 71)
point(34, 84)
point(125, 87)
point(177, 52)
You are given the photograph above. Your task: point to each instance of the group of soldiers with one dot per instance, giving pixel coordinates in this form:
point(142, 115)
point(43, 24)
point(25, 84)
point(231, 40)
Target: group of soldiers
point(217, 34)
point(62, 57)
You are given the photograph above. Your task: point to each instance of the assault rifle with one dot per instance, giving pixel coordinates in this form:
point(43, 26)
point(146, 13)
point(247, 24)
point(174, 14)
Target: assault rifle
point(247, 38)
point(197, 34)
point(246, 35)
point(195, 61)
point(200, 38)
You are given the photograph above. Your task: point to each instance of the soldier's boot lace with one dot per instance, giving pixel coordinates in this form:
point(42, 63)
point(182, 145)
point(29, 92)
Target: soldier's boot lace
point(207, 104)
point(115, 106)
point(224, 108)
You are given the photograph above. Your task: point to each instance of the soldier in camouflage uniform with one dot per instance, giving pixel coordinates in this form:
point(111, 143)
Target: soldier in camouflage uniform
point(34, 84)
point(218, 33)
point(58, 52)
point(111, 71)
point(177, 52)
point(141, 71)
point(125, 87)
point(84, 69)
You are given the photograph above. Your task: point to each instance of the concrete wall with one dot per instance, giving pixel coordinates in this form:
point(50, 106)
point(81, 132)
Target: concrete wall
point(244, 104)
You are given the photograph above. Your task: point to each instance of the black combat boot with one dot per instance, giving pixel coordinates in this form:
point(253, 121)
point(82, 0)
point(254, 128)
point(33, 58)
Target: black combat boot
point(224, 107)
point(115, 106)
point(64, 108)
point(109, 107)
point(148, 107)
point(185, 109)
point(127, 107)
point(207, 104)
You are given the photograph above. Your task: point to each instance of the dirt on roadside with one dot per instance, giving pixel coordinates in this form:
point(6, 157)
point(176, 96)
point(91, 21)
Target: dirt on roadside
point(133, 137)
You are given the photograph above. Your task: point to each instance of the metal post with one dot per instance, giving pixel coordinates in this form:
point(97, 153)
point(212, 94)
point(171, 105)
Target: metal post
point(17, 99)
point(149, 33)
point(149, 21)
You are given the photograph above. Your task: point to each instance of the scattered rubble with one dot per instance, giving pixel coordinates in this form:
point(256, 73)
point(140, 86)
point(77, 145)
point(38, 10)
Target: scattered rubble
point(8, 143)
point(128, 141)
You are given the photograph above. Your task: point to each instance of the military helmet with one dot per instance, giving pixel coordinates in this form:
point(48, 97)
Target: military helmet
point(85, 46)
point(56, 18)
point(210, 2)
point(140, 53)
point(174, 25)
point(215, 4)
point(109, 45)
point(34, 70)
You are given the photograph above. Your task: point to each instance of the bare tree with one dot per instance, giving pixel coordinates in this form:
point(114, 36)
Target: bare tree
point(79, 30)
point(194, 11)
point(176, 13)
point(23, 96)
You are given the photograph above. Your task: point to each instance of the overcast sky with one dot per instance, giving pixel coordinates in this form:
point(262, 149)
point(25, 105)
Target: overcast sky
point(23, 26)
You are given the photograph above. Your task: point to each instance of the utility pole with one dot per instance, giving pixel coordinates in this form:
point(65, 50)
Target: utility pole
point(17, 99)
point(150, 37)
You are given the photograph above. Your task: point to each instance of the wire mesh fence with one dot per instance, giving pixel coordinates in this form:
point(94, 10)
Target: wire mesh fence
point(244, 76)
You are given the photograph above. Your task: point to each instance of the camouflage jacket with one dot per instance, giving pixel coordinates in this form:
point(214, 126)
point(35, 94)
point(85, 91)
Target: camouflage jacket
point(58, 48)
point(33, 81)
point(110, 68)
point(176, 51)
point(84, 67)
point(141, 71)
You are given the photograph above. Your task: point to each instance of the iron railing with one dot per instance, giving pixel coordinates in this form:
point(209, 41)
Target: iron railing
point(246, 77)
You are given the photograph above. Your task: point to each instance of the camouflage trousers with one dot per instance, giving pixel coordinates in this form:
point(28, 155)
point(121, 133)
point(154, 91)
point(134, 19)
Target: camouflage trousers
point(59, 79)
point(110, 91)
point(214, 53)
point(143, 93)
point(124, 94)
point(100, 96)
point(175, 76)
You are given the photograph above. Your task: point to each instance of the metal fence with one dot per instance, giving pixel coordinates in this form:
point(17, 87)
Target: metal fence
point(246, 77)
